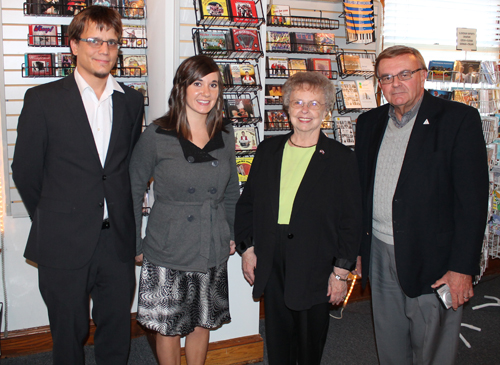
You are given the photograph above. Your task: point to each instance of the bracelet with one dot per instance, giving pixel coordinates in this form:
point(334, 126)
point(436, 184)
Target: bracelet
point(338, 277)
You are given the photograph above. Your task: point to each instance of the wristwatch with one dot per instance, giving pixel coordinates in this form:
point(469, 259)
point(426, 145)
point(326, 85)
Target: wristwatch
point(338, 277)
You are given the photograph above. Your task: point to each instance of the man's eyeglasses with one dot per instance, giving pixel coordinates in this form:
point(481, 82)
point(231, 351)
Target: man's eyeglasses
point(97, 42)
point(402, 76)
point(299, 104)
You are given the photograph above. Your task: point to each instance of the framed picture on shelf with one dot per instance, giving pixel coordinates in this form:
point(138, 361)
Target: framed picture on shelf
point(273, 95)
point(134, 8)
point(39, 64)
point(43, 35)
point(277, 67)
point(243, 165)
point(243, 11)
point(277, 120)
point(246, 138)
point(240, 110)
point(245, 40)
point(209, 41)
point(213, 8)
point(296, 65)
point(321, 64)
point(134, 65)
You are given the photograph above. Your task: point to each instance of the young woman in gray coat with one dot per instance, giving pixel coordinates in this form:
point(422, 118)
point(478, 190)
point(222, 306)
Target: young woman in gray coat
point(189, 152)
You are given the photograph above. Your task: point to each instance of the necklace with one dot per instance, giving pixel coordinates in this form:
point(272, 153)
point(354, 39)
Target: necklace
point(296, 145)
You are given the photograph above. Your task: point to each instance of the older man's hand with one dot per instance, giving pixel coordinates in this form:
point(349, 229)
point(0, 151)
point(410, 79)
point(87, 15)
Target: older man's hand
point(460, 287)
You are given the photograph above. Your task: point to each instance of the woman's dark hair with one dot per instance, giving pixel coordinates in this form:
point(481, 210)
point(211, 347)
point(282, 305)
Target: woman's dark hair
point(192, 69)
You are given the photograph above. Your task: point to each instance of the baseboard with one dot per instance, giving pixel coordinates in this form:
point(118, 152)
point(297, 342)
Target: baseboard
point(243, 350)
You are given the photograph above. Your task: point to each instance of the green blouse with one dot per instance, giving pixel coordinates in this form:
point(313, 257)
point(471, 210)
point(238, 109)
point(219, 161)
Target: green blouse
point(293, 167)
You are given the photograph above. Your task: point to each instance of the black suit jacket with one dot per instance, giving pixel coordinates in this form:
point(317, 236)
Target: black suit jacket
point(440, 204)
point(60, 178)
point(325, 225)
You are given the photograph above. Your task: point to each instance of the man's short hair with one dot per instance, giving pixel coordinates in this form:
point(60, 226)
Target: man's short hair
point(395, 51)
point(103, 17)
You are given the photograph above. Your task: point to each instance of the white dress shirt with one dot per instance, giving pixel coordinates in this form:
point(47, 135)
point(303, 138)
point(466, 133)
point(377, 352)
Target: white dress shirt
point(99, 114)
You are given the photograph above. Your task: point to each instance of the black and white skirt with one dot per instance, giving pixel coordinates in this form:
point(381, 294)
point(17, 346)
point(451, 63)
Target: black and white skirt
point(174, 302)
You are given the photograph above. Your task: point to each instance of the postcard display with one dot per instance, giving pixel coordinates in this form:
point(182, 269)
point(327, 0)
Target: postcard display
point(296, 43)
point(229, 32)
point(44, 38)
point(476, 83)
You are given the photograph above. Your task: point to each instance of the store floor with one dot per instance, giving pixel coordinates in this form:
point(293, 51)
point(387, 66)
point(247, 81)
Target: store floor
point(350, 339)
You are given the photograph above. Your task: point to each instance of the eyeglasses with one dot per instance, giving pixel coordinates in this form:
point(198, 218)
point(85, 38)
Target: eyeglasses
point(97, 42)
point(299, 104)
point(402, 76)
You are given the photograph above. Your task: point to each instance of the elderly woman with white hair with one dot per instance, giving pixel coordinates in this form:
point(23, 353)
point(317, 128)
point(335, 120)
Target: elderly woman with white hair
point(298, 224)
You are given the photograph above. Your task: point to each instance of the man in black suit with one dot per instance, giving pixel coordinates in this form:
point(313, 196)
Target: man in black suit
point(424, 175)
point(75, 138)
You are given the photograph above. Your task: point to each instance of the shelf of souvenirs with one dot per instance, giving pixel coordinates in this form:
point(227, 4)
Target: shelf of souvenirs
point(61, 8)
point(485, 100)
point(302, 48)
point(343, 107)
point(242, 108)
point(240, 77)
point(247, 14)
point(231, 44)
point(360, 64)
point(480, 79)
point(62, 71)
point(302, 22)
point(61, 40)
point(284, 73)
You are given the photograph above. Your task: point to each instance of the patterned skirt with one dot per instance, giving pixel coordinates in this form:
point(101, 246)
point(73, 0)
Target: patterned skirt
point(174, 302)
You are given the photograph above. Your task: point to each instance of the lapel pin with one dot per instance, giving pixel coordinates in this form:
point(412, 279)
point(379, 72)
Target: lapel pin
point(426, 122)
point(322, 152)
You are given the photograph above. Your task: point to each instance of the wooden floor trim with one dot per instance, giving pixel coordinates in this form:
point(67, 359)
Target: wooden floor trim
point(243, 350)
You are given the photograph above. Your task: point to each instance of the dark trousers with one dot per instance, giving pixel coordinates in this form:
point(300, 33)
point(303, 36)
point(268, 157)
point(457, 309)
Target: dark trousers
point(291, 336)
point(110, 282)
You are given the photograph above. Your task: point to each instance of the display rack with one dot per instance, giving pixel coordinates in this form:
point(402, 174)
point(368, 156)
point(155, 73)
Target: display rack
point(61, 71)
point(347, 71)
point(62, 10)
point(285, 74)
point(253, 117)
point(341, 107)
point(300, 48)
point(60, 40)
point(302, 22)
point(228, 51)
point(232, 20)
point(231, 87)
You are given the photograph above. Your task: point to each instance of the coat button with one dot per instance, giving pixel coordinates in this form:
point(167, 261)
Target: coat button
point(215, 163)
point(191, 190)
point(190, 218)
point(104, 177)
point(212, 190)
point(290, 235)
point(101, 205)
point(190, 159)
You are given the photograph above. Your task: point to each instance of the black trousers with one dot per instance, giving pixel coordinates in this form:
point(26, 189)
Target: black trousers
point(110, 282)
point(292, 337)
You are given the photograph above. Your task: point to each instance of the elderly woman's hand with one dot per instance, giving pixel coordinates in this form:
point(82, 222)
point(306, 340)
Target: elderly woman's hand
point(337, 289)
point(232, 247)
point(248, 264)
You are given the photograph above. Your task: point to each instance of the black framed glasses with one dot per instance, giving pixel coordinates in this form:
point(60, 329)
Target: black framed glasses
point(97, 42)
point(299, 104)
point(402, 76)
